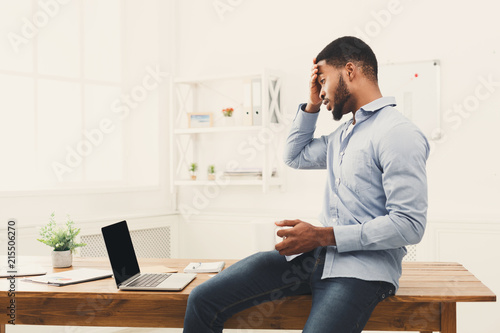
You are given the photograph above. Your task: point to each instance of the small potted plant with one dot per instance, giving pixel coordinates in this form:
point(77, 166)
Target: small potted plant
point(62, 239)
point(192, 169)
point(228, 116)
point(211, 172)
point(228, 112)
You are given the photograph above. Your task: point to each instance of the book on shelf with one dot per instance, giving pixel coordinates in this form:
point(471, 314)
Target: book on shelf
point(246, 172)
point(256, 102)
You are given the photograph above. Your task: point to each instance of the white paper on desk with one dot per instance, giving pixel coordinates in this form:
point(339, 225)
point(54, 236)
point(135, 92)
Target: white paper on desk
point(204, 267)
point(22, 271)
point(72, 276)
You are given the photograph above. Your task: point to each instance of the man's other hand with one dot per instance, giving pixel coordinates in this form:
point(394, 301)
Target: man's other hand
point(302, 237)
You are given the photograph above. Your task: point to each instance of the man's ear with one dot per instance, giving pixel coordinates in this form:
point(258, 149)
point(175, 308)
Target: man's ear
point(350, 69)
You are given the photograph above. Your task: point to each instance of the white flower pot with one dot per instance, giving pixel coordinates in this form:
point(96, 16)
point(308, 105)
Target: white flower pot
point(228, 121)
point(62, 259)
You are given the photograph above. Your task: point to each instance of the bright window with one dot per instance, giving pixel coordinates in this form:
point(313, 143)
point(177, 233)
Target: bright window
point(79, 87)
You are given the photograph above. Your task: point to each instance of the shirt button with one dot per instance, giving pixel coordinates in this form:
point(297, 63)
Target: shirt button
point(337, 181)
point(342, 153)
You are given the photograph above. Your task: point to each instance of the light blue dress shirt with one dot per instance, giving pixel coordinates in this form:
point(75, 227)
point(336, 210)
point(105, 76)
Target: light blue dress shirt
point(376, 188)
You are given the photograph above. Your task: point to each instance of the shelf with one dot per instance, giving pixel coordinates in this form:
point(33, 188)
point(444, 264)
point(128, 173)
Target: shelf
point(226, 182)
point(188, 145)
point(217, 129)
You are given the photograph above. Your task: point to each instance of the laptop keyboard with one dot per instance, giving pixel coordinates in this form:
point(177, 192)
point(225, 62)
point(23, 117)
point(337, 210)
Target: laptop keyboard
point(149, 280)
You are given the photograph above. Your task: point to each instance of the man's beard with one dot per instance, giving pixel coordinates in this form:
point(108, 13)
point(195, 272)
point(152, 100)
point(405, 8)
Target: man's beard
point(342, 95)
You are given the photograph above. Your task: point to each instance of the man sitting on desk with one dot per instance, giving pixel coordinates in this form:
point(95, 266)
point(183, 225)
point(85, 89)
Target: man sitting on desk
point(375, 204)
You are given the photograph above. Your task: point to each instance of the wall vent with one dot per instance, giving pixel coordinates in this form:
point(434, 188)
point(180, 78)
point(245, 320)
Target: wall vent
point(148, 243)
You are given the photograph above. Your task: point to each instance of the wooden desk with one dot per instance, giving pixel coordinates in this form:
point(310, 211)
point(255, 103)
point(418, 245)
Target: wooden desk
point(426, 302)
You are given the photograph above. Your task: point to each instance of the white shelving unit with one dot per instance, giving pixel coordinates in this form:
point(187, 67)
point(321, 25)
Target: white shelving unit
point(212, 94)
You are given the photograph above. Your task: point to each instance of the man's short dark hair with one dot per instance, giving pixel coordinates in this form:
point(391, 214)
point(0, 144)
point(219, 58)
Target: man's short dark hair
point(350, 49)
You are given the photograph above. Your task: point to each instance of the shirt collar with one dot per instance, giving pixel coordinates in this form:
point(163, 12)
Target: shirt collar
point(378, 104)
point(368, 110)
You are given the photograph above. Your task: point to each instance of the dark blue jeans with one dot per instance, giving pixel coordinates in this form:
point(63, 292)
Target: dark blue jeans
point(338, 304)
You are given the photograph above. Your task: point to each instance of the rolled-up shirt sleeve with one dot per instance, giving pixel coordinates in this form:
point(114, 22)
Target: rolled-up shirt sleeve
point(302, 150)
point(402, 155)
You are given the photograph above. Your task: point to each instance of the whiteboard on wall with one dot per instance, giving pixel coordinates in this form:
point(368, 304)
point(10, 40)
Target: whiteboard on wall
point(415, 85)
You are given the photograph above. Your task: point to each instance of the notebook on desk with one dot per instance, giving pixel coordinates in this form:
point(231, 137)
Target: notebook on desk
point(71, 277)
point(126, 269)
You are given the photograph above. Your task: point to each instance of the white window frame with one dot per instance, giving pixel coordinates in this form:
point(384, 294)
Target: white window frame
point(83, 187)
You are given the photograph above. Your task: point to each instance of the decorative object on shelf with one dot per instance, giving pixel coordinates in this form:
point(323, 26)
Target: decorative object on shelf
point(228, 116)
point(62, 239)
point(211, 172)
point(192, 169)
point(199, 120)
point(246, 173)
point(228, 112)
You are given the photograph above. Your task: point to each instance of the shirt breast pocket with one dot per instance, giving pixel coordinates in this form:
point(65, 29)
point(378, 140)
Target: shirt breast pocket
point(357, 171)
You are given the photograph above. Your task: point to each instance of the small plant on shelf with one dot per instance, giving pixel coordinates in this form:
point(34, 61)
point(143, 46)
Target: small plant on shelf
point(192, 169)
point(211, 172)
point(228, 112)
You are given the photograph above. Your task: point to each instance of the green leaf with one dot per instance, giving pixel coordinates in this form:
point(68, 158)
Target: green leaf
point(60, 238)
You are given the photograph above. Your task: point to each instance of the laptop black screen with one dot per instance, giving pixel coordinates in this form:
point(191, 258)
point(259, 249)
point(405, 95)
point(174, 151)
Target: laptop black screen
point(120, 251)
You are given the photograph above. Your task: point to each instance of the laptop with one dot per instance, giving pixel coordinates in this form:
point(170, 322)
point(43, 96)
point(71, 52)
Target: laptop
point(125, 267)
